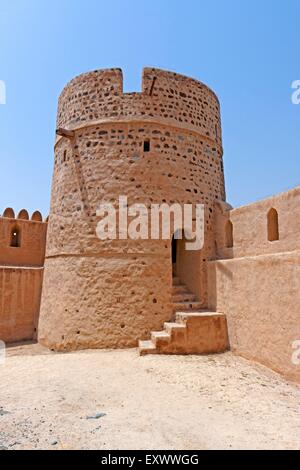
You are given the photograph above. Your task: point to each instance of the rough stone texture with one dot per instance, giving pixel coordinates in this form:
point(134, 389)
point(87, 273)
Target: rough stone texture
point(111, 293)
point(258, 289)
point(21, 274)
point(96, 310)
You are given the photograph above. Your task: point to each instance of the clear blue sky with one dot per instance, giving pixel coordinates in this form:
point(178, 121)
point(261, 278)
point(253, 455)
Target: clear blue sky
point(246, 50)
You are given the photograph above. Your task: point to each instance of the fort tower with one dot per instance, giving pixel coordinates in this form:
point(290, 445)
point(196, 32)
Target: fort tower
point(162, 144)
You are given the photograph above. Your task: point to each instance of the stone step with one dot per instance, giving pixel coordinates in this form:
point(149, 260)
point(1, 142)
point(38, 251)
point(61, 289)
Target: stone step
point(176, 281)
point(185, 315)
point(194, 332)
point(183, 297)
point(160, 338)
point(186, 306)
point(169, 326)
point(147, 347)
point(206, 332)
point(179, 289)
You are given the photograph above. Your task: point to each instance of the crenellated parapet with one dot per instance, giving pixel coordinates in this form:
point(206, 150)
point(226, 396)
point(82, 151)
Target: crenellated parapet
point(23, 214)
point(166, 98)
point(22, 255)
point(22, 238)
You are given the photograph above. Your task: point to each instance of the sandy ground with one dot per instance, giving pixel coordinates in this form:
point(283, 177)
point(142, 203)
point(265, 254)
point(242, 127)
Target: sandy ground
point(53, 401)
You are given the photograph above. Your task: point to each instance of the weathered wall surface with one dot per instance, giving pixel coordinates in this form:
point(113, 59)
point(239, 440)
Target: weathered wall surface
point(20, 295)
point(250, 226)
point(32, 235)
point(22, 252)
point(114, 292)
point(259, 288)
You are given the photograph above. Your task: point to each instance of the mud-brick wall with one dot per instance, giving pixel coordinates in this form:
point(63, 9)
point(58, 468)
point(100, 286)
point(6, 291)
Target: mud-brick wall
point(259, 287)
point(20, 292)
point(32, 242)
point(22, 254)
point(260, 296)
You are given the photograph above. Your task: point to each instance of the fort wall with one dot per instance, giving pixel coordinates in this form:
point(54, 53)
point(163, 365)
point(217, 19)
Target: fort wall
point(161, 145)
point(22, 252)
point(255, 282)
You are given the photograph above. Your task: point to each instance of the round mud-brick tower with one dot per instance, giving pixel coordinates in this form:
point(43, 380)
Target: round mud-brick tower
point(161, 145)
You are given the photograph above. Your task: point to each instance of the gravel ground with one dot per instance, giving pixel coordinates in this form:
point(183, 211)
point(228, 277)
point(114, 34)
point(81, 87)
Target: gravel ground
point(118, 400)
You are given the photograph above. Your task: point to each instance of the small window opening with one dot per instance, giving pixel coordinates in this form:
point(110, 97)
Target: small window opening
point(65, 156)
point(229, 234)
point(147, 145)
point(15, 238)
point(273, 231)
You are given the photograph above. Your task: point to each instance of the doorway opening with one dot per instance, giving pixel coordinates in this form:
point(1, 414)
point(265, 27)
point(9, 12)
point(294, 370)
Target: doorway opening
point(187, 266)
point(174, 255)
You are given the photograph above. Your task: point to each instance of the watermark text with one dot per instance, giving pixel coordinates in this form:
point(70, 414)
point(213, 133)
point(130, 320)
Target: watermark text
point(157, 222)
point(296, 353)
point(2, 92)
point(296, 94)
point(2, 352)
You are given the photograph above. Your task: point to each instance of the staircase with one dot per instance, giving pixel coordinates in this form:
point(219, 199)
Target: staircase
point(182, 299)
point(193, 331)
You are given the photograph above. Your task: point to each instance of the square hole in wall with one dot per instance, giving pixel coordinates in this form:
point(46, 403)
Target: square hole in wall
point(147, 145)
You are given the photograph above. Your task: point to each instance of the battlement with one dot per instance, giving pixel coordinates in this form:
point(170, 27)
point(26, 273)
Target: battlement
point(22, 255)
point(166, 97)
point(22, 239)
point(23, 214)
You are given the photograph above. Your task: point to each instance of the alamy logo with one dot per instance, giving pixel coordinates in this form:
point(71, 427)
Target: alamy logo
point(2, 92)
point(296, 353)
point(157, 222)
point(296, 93)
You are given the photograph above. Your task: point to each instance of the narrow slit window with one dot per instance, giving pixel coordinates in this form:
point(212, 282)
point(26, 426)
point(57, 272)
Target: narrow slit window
point(229, 234)
point(273, 230)
point(147, 145)
point(15, 238)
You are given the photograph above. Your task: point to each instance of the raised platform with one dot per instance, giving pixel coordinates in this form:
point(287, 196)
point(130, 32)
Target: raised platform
point(201, 332)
